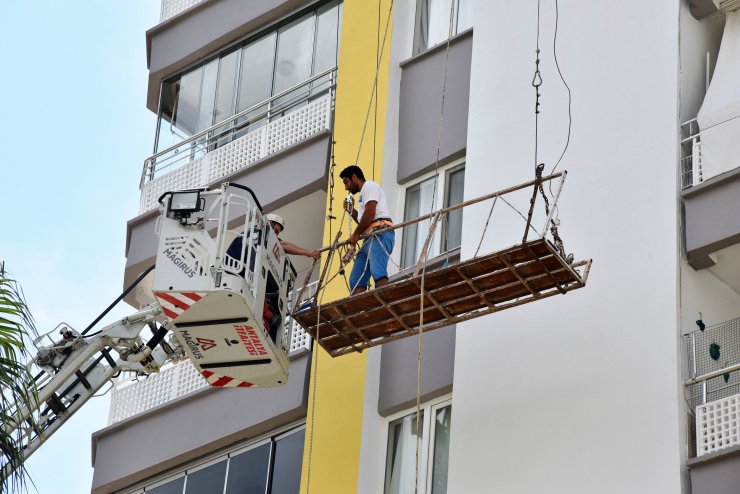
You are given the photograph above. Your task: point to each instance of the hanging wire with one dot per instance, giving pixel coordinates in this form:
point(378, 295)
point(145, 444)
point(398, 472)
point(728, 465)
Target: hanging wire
point(536, 83)
point(426, 254)
point(557, 66)
point(375, 83)
point(377, 69)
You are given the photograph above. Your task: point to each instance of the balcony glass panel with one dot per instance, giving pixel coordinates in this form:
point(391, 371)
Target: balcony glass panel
point(286, 477)
point(225, 92)
point(248, 471)
point(187, 103)
point(294, 57)
point(326, 43)
point(255, 83)
point(207, 480)
point(174, 487)
point(207, 95)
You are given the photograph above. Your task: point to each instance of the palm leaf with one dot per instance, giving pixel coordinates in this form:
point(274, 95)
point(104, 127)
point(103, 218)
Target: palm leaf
point(17, 388)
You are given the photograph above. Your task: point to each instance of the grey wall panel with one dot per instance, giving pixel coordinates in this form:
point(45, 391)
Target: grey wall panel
point(398, 369)
point(422, 80)
point(201, 31)
point(716, 473)
point(710, 222)
point(276, 180)
point(197, 425)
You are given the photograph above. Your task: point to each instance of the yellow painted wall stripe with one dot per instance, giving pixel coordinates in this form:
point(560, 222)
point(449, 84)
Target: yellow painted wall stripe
point(334, 452)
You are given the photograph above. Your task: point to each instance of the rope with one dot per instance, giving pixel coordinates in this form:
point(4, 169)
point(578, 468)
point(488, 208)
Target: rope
point(490, 212)
point(425, 254)
point(313, 393)
point(375, 83)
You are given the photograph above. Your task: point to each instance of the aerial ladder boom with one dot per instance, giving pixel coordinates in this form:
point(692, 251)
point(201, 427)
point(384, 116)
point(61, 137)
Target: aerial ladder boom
point(74, 368)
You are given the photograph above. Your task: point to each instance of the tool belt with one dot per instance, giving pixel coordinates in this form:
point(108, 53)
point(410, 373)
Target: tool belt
point(378, 224)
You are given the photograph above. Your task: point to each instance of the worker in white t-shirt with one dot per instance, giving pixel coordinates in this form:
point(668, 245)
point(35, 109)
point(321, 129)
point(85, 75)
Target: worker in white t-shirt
point(371, 215)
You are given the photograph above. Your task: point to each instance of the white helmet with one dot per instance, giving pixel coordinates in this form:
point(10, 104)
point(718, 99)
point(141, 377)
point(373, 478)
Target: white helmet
point(276, 218)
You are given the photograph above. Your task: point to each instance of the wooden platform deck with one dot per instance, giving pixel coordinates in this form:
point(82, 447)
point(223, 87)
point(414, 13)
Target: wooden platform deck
point(463, 291)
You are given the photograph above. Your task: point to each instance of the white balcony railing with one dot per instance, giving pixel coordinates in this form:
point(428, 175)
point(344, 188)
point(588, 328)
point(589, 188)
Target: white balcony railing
point(131, 398)
point(718, 425)
point(691, 169)
point(170, 8)
point(259, 131)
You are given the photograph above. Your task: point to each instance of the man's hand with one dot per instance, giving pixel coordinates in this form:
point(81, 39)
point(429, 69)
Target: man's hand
point(315, 254)
point(353, 239)
point(349, 203)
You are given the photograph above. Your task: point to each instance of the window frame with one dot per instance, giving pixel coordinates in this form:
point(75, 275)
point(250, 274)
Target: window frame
point(443, 175)
point(426, 452)
point(226, 454)
point(417, 47)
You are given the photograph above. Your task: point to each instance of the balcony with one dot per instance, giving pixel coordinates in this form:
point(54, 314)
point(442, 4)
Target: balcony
point(712, 233)
point(713, 393)
point(279, 147)
point(227, 148)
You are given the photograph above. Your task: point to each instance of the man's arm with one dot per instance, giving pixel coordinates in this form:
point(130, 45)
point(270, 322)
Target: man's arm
point(291, 248)
point(367, 218)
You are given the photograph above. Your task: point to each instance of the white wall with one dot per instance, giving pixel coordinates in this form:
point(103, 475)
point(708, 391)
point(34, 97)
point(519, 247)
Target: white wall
point(577, 393)
point(374, 432)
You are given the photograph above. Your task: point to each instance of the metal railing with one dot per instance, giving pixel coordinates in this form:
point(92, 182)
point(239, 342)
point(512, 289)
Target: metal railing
point(714, 362)
point(691, 170)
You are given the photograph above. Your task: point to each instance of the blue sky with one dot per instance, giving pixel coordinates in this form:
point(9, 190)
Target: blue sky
point(76, 133)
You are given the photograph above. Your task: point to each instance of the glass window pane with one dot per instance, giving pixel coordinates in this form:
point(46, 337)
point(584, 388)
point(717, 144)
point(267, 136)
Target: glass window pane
point(326, 44)
point(167, 135)
point(418, 203)
point(248, 471)
point(294, 56)
point(455, 190)
point(174, 487)
point(188, 102)
point(207, 480)
point(286, 475)
point(464, 15)
point(225, 92)
point(207, 95)
point(400, 471)
point(434, 23)
point(441, 453)
point(255, 79)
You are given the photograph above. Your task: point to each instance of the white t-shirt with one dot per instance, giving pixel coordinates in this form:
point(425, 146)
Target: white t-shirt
point(372, 192)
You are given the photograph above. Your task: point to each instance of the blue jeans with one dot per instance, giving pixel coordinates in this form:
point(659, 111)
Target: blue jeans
point(372, 259)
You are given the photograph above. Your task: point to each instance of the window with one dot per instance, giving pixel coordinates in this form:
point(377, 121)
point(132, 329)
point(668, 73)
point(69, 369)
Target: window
point(274, 461)
point(434, 447)
point(418, 202)
point(433, 21)
point(253, 71)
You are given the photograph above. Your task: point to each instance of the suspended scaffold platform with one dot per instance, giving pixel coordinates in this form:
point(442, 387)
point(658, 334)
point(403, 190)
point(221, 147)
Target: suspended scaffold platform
point(532, 270)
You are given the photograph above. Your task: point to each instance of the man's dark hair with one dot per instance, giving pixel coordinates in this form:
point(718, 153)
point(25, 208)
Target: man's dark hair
point(352, 170)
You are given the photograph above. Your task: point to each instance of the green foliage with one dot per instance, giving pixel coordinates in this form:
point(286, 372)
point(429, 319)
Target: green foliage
point(16, 384)
point(714, 351)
